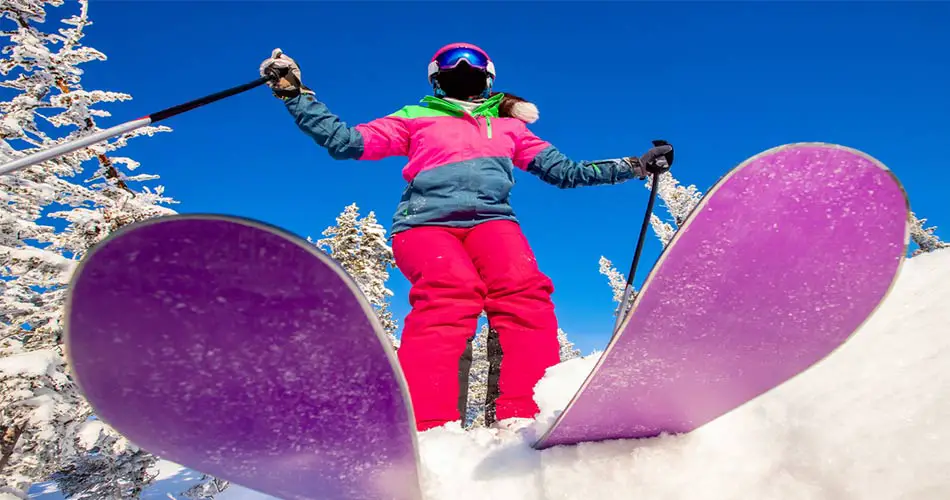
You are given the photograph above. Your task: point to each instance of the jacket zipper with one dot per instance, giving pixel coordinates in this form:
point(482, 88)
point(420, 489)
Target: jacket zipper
point(478, 123)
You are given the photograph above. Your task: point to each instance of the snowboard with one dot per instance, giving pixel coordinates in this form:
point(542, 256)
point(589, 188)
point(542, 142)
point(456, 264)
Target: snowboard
point(781, 261)
point(242, 351)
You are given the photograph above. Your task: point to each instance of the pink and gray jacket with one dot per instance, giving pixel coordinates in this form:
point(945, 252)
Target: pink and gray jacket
point(461, 162)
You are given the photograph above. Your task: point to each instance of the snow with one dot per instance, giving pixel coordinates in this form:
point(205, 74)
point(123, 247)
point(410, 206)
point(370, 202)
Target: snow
point(871, 421)
point(30, 364)
point(89, 433)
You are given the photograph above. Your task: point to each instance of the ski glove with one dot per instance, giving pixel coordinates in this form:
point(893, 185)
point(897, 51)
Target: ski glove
point(657, 160)
point(284, 75)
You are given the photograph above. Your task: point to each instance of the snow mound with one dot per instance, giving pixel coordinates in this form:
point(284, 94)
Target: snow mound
point(871, 421)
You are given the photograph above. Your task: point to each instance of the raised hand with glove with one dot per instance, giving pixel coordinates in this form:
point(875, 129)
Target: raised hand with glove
point(284, 75)
point(656, 160)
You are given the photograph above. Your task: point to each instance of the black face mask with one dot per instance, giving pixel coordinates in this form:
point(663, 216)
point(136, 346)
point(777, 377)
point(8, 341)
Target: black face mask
point(462, 82)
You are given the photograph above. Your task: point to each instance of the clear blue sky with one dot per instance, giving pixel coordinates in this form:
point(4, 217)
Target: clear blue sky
point(721, 81)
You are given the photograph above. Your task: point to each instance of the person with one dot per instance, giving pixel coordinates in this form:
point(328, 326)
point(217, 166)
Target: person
point(455, 236)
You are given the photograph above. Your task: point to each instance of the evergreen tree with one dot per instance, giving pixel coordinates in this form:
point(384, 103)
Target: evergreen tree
point(485, 341)
point(568, 350)
point(679, 201)
point(207, 488)
point(51, 214)
point(112, 468)
point(616, 281)
point(925, 238)
point(359, 246)
point(478, 380)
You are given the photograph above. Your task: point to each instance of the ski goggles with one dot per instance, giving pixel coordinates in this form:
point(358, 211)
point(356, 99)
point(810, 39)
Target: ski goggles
point(451, 58)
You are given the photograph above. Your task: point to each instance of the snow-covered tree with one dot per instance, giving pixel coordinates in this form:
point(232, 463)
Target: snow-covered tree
point(486, 360)
point(359, 245)
point(679, 201)
point(112, 467)
point(568, 350)
point(207, 488)
point(40, 414)
point(617, 282)
point(51, 214)
point(925, 238)
point(478, 379)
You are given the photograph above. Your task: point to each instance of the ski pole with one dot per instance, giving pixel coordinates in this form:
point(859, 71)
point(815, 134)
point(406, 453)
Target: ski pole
point(628, 289)
point(68, 147)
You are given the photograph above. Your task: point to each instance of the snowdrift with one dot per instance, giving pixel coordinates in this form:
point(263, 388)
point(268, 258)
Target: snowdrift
point(868, 422)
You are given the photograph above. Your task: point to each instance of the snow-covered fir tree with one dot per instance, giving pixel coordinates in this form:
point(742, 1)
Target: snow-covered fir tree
point(51, 214)
point(478, 379)
point(925, 238)
point(679, 201)
point(359, 245)
point(568, 350)
point(484, 342)
point(112, 467)
point(207, 489)
point(616, 281)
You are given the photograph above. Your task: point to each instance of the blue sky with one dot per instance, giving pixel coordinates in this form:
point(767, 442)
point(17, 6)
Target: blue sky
point(721, 81)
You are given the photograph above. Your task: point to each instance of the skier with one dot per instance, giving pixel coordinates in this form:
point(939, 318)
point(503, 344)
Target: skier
point(455, 235)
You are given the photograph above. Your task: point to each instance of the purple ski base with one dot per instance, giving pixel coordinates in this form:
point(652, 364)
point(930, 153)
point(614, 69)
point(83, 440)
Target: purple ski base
point(784, 259)
point(241, 351)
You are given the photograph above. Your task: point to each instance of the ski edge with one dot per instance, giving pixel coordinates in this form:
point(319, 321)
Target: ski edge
point(541, 443)
point(282, 233)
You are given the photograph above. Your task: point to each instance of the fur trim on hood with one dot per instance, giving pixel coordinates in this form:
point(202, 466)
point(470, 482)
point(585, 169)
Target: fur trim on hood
point(513, 106)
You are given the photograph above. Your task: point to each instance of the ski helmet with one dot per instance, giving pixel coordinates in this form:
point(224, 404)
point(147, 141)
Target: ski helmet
point(454, 54)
